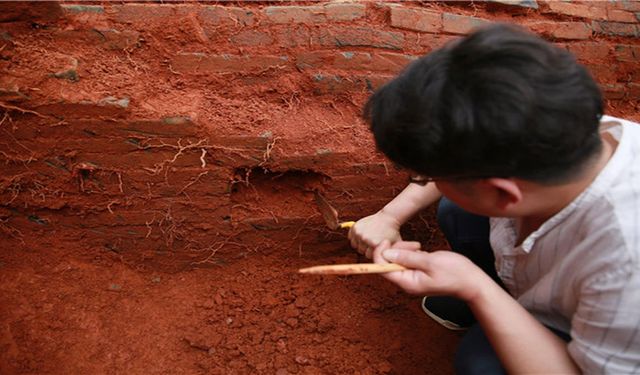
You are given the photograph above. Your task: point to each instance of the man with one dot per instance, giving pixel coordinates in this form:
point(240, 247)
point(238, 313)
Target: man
point(509, 130)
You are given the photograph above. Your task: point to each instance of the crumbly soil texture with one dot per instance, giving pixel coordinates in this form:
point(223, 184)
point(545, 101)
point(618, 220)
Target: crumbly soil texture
point(152, 221)
point(158, 164)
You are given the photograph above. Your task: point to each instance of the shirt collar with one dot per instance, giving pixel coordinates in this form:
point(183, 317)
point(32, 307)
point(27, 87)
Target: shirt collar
point(600, 185)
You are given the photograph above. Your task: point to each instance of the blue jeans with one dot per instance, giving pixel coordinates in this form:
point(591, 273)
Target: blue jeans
point(468, 234)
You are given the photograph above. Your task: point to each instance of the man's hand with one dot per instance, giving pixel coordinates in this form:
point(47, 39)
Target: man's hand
point(511, 330)
point(437, 273)
point(369, 232)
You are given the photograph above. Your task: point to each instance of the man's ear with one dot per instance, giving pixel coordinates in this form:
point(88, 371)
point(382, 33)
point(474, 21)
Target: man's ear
point(508, 191)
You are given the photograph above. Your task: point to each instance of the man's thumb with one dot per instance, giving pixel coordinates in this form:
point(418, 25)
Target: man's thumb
point(407, 258)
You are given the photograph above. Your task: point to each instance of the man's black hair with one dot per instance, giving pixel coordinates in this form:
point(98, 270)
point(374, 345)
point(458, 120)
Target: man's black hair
point(500, 102)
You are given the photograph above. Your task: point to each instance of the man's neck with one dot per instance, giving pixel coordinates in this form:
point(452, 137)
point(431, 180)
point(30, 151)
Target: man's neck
point(563, 195)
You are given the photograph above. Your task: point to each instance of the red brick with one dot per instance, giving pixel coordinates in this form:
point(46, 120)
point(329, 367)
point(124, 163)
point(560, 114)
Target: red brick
point(372, 185)
point(356, 208)
point(621, 16)
point(141, 13)
point(366, 61)
point(174, 127)
point(213, 15)
point(391, 62)
point(344, 11)
point(316, 59)
point(200, 63)
point(105, 38)
point(132, 131)
point(269, 223)
point(633, 91)
point(210, 206)
point(237, 151)
point(361, 37)
point(11, 93)
point(338, 12)
point(295, 36)
point(426, 42)
point(632, 73)
point(562, 30)
point(87, 143)
point(73, 128)
point(294, 14)
point(630, 5)
point(89, 15)
point(121, 216)
point(139, 215)
point(380, 62)
point(381, 168)
point(78, 9)
point(251, 38)
point(513, 4)
point(242, 142)
point(415, 19)
point(119, 40)
point(328, 83)
point(108, 107)
point(613, 91)
point(38, 11)
point(459, 24)
point(627, 53)
point(375, 81)
point(588, 51)
point(151, 158)
point(347, 61)
point(320, 161)
point(576, 10)
point(168, 128)
point(174, 182)
point(604, 73)
point(616, 28)
point(339, 37)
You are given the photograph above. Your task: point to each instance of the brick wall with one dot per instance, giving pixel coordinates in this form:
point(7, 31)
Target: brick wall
point(191, 134)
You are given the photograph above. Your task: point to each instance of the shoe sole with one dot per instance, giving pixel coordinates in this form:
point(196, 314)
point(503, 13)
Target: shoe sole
point(443, 322)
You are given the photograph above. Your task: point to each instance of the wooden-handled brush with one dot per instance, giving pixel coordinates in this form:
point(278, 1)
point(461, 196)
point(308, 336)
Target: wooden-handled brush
point(352, 269)
point(329, 214)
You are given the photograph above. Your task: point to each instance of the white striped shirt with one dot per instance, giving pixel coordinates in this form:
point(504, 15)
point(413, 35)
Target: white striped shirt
point(580, 271)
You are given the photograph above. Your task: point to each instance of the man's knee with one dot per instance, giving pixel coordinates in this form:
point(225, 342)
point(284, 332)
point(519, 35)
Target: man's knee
point(476, 356)
point(447, 210)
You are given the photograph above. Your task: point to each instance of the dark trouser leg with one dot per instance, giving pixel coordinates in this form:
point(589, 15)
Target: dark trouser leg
point(468, 234)
point(475, 356)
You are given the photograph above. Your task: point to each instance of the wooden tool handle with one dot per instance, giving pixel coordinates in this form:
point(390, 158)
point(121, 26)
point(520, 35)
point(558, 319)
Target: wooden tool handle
point(352, 269)
point(346, 224)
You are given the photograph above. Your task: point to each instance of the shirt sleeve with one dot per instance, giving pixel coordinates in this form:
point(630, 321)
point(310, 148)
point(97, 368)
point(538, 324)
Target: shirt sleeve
point(605, 328)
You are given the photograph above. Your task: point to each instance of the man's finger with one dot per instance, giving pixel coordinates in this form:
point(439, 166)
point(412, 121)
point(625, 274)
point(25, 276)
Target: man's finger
point(407, 258)
point(407, 245)
point(377, 252)
point(354, 243)
point(369, 253)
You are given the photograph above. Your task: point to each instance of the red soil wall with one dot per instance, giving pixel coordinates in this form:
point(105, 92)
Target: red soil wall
point(141, 139)
point(173, 133)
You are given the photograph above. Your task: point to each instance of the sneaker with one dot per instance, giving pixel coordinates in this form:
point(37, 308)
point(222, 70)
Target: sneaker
point(451, 313)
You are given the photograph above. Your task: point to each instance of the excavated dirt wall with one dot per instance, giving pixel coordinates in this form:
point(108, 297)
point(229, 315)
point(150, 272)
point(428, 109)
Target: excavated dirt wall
point(139, 141)
point(187, 134)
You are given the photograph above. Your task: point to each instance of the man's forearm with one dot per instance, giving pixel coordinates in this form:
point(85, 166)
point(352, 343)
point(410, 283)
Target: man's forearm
point(411, 200)
point(522, 343)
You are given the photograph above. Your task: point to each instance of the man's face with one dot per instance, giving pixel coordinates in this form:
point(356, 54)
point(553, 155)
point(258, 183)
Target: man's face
point(467, 195)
